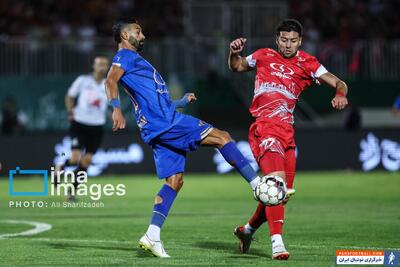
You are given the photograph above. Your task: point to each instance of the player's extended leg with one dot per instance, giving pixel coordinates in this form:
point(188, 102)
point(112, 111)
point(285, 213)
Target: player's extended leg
point(151, 240)
point(223, 141)
point(273, 163)
point(245, 233)
point(290, 170)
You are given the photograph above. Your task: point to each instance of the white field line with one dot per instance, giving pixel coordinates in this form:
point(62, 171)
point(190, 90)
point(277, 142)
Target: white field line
point(133, 243)
point(39, 228)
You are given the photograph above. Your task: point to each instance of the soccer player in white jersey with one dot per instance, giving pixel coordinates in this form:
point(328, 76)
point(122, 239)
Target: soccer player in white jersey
point(86, 104)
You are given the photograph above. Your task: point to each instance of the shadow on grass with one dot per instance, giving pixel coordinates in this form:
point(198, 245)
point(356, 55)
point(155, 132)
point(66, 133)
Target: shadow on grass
point(231, 247)
point(139, 252)
point(74, 245)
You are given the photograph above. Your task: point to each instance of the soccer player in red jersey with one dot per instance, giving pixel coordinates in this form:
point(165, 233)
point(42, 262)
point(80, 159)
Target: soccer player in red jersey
point(281, 76)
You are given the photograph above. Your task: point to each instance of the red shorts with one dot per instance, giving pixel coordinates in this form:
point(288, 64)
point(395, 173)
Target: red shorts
point(273, 146)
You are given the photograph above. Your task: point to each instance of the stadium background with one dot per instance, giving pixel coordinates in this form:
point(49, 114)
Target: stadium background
point(44, 45)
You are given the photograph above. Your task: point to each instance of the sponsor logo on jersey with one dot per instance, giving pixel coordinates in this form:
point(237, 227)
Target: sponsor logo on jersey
point(281, 70)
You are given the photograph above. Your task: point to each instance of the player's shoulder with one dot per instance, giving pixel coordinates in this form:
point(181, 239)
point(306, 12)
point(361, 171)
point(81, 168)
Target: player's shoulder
point(83, 77)
point(125, 55)
point(304, 56)
point(268, 52)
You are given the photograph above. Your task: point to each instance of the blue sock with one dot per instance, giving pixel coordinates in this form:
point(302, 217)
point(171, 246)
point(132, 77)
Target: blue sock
point(234, 157)
point(160, 211)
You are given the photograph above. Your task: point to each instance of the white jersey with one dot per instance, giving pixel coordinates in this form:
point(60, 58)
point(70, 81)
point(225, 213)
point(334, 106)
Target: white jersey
point(91, 107)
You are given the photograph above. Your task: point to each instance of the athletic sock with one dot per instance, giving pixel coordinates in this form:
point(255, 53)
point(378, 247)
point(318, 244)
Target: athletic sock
point(248, 229)
point(234, 157)
point(160, 212)
point(276, 240)
point(275, 216)
point(258, 217)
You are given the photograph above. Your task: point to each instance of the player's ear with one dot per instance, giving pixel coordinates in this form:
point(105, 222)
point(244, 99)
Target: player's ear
point(300, 39)
point(124, 35)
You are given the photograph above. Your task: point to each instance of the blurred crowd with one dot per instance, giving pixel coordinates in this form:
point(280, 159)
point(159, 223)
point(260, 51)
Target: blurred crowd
point(47, 19)
point(345, 20)
point(348, 20)
point(335, 30)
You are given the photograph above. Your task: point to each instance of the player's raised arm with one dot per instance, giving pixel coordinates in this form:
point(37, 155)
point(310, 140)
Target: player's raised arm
point(340, 99)
point(111, 84)
point(236, 62)
point(185, 100)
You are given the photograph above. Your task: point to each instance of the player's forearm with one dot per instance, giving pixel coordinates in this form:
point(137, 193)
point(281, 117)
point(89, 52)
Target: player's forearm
point(69, 104)
point(234, 61)
point(341, 88)
point(111, 89)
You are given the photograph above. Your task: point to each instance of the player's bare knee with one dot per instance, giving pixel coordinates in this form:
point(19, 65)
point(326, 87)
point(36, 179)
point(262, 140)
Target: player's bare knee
point(158, 200)
point(175, 182)
point(224, 138)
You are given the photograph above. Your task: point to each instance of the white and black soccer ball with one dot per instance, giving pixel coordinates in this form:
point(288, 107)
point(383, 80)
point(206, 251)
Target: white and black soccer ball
point(271, 190)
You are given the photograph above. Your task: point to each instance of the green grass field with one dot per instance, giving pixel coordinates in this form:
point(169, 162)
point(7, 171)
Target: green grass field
point(332, 210)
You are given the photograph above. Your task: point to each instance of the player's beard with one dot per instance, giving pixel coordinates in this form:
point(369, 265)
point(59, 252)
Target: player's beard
point(137, 44)
point(285, 55)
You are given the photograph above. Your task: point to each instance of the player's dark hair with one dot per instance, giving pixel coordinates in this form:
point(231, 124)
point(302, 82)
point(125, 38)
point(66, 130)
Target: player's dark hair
point(119, 25)
point(288, 25)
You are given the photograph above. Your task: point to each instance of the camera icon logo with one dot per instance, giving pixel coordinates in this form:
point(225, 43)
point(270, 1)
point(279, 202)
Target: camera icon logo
point(18, 171)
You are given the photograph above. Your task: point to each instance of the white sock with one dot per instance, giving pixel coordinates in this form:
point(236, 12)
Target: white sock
point(153, 232)
point(276, 240)
point(255, 182)
point(248, 229)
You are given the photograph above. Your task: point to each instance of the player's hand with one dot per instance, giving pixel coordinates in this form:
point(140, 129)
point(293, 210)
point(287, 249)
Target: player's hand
point(118, 120)
point(339, 102)
point(237, 45)
point(191, 97)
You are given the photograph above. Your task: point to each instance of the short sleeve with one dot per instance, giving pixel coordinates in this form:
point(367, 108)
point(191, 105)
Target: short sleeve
point(252, 59)
point(75, 88)
point(316, 68)
point(124, 60)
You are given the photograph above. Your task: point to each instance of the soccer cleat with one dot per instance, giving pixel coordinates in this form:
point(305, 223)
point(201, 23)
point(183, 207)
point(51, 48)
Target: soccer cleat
point(244, 239)
point(279, 252)
point(156, 248)
point(290, 192)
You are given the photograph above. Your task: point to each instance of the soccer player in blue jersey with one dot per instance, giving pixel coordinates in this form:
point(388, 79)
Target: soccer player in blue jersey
point(169, 133)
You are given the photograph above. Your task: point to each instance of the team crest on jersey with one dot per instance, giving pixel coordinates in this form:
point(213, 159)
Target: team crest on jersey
point(281, 71)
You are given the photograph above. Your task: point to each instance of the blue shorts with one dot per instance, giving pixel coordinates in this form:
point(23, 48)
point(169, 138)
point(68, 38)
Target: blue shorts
point(169, 148)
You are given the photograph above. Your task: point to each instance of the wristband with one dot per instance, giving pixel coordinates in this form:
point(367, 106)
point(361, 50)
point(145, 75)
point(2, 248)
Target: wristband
point(340, 94)
point(115, 103)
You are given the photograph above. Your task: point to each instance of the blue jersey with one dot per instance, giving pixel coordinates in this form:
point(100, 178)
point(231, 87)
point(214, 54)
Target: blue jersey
point(154, 111)
point(397, 103)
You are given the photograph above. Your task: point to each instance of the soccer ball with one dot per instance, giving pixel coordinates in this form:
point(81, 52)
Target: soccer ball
point(271, 190)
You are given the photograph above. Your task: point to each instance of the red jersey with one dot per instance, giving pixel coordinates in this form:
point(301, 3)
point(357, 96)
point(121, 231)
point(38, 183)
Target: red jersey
point(280, 81)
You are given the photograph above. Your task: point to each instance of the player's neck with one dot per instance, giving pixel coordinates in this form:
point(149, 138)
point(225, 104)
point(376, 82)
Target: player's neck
point(97, 77)
point(124, 45)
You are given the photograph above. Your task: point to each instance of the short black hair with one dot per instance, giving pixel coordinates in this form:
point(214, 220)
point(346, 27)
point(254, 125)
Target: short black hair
point(119, 25)
point(288, 25)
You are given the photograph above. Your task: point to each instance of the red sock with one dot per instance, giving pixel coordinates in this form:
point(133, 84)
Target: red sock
point(290, 167)
point(275, 216)
point(258, 217)
point(290, 179)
